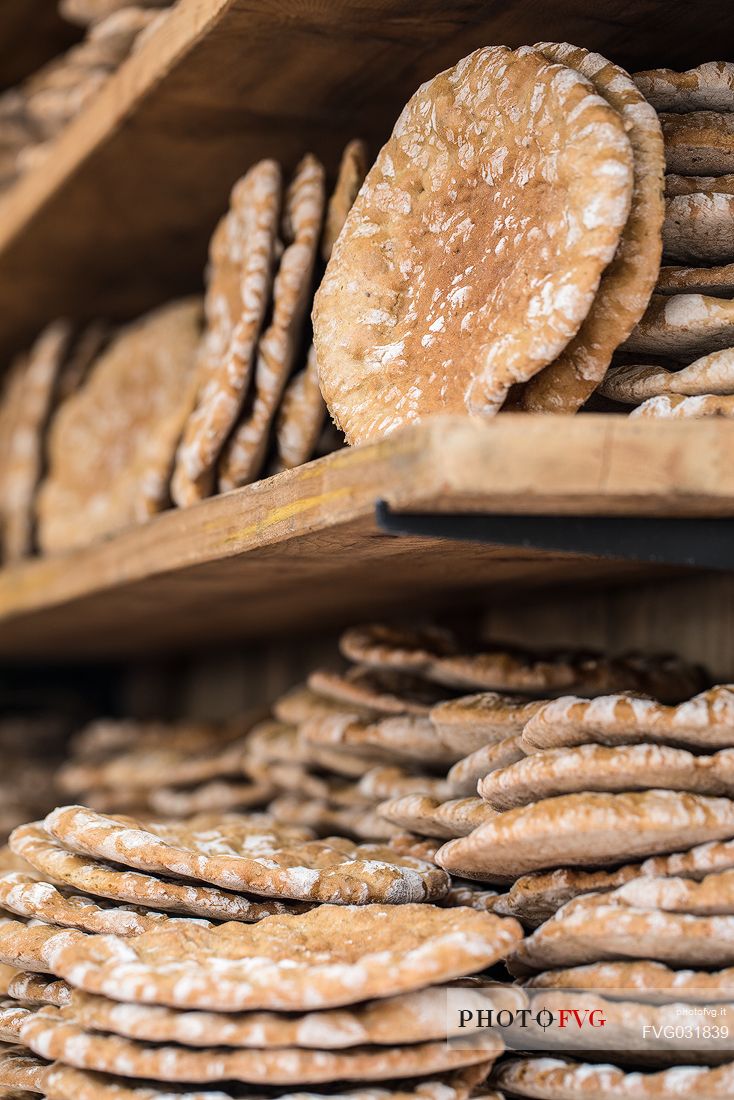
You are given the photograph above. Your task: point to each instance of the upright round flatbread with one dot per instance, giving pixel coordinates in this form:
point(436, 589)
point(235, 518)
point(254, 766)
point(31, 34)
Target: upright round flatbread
point(475, 247)
point(241, 258)
point(628, 282)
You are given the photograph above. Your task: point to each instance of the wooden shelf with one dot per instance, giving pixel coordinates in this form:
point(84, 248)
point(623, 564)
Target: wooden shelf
point(118, 218)
point(31, 33)
point(302, 551)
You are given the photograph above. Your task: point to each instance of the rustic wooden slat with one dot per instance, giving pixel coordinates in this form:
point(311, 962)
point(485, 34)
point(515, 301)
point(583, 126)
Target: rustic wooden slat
point(119, 217)
point(301, 551)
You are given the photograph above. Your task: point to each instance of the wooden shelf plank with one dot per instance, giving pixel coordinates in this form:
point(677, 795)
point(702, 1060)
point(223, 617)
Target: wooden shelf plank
point(301, 550)
point(31, 33)
point(118, 218)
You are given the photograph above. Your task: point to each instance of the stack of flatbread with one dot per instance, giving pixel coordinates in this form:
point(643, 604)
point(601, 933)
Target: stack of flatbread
point(679, 361)
point(111, 443)
point(394, 743)
point(505, 243)
point(258, 406)
point(613, 837)
point(331, 965)
point(168, 769)
point(34, 114)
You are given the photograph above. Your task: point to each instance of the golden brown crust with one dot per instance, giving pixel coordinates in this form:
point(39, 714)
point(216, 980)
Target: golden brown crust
point(422, 309)
point(327, 957)
point(627, 283)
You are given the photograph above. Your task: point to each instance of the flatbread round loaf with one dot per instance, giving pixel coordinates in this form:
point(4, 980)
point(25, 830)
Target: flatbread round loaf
point(465, 774)
point(713, 282)
point(705, 722)
point(39, 989)
point(25, 896)
point(632, 384)
point(552, 772)
point(66, 1083)
point(238, 855)
point(328, 957)
point(629, 280)
point(586, 830)
point(53, 1033)
point(677, 407)
point(430, 303)
point(426, 816)
point(700, 143)
point(698, 185)
point(409, 1018)
point(699, 229)
point(244, 452)
point(590, 929)
point(553, 1079)
point(708, 87)
point(683, 326)
point(111, 444)
point(241, 257)
point(21, 1070)
point(108, 880)
point(640, 981)
point(536, 897)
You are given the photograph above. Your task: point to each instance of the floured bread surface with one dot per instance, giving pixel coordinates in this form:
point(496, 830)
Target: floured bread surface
point(408, 1018)
point(21, 1070)
point(241, 257)
point(352, 170)
point(712, 374)
point(708, 87)
point(385, 691)
point(704, 722)
point(54, 1034)
point(238, 855)
point(466, 773)
point(244, 452)
point(699, 229)
point(714, 282)
point(474, 722)
point(640, 980)
point(695, 185)
point(534, 898)
point(683, 326)
point(437, 656)
point(552, 772)
point(712, 896)
point(586, 830)
point(380, 784)
point(328, 957)
point(591, 929)
point(25, 896)
point(29, 946)
point(39, 989)
point(427, 816)
point(108, 880)
point(699, 144)
point(560, 1079)
point(629, 280)
point(111, 444)
point(66, 1083)
point(686, 408)
point(430, 304)
point(302, 411)
point(22, 464)
point(407, 737)
point(300, 416)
